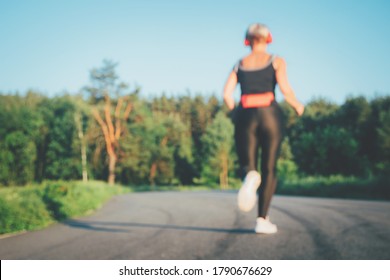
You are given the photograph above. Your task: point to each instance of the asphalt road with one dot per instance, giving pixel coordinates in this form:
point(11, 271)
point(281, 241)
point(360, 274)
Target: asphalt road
point(208, 225)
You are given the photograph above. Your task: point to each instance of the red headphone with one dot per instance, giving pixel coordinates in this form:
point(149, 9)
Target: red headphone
point(268, 41)
point(269, 38)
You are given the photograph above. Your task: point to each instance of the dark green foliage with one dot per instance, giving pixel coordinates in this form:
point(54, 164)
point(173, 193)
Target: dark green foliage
point(60, 157)
point(287, 169)
point(17, 157)
point(19, 131)
point(328, 150)
point(379, 129)
point(351, 139)
point(218, 150)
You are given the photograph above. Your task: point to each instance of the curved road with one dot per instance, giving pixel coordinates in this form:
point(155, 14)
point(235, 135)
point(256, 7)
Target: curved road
point(208, 225)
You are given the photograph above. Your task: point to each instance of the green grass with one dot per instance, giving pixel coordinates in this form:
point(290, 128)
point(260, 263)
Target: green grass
point(36, 206)
point(337, 187)
point(22, 209)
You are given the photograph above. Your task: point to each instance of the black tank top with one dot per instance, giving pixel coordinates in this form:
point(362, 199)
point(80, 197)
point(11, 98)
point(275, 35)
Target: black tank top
point(259, 80)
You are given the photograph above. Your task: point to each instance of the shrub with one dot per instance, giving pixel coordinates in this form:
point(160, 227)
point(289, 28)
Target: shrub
point(32, 207)
point(22, 209)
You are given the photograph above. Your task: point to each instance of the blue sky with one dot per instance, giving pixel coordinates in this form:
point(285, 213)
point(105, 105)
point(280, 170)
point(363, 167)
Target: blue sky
point(333, 48)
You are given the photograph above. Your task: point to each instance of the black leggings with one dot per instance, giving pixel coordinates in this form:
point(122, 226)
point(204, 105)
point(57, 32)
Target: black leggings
point(254, 128)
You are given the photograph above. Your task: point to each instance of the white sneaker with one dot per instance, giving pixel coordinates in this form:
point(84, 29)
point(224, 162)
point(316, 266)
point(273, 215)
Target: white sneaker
point(265, 226)
point(247, 194)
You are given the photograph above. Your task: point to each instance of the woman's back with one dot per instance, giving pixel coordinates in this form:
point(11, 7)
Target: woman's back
point(255, 61)
point(256, 75)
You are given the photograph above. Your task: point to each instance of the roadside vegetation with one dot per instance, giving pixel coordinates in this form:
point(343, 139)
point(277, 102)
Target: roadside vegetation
point(37, 206)
point(337, 186)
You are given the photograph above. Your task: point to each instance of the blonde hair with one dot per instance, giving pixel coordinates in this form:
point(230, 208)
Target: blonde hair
point(257, 31)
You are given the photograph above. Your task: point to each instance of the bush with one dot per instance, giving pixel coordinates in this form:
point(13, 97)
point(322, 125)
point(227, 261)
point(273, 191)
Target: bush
point(287, 169)
point(27, 208)
point(68, 199)
point(22, 209)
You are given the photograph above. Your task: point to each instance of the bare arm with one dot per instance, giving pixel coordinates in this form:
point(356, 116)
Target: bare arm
point(228, 90)
point(284, 85)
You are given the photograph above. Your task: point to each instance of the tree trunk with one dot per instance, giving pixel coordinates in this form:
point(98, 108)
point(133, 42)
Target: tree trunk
point(152, 173)
point(223, 175)
point(111, 169)
point(83, 147)
point(221, 180)
point(84, 161)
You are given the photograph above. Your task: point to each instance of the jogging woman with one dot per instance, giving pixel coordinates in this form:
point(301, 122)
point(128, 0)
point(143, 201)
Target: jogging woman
point(259, 121)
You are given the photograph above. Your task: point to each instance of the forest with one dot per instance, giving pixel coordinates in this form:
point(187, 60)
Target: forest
point(109, 131)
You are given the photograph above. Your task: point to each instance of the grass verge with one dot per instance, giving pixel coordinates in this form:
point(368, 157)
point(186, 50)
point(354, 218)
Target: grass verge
point(36, 206)
point(337, 187)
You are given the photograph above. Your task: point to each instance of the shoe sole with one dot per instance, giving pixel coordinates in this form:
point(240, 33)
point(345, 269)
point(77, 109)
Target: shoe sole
point(266, 231)
point(247, 194)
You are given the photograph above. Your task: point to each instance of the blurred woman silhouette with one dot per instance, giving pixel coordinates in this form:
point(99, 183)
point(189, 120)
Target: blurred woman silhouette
point(259, 121)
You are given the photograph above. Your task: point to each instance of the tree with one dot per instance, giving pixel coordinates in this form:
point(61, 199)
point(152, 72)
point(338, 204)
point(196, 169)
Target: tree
point(17, 157)
point(60, 152)
point(384, 141)
point(378, 131)
point(326, 151)
point(201, 117)
point(18, 133)
point(112, 108)
point(159, 143)
point(286, 167)
point(82, 110)
point(218, 152)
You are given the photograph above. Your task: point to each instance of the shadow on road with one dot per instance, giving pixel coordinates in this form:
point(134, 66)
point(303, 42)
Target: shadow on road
point(113, 227)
